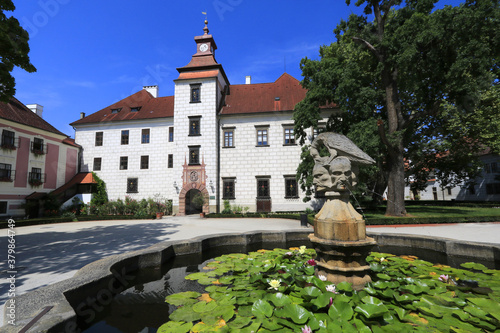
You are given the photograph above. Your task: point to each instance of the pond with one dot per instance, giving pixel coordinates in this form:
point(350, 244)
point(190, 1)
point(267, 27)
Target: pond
point(142, 307)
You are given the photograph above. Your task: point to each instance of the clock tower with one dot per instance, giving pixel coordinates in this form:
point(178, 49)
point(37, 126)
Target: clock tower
point(200, 90)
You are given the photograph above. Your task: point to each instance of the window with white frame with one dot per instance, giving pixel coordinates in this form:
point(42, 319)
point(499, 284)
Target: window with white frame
point(228, 137)
point(262, 136)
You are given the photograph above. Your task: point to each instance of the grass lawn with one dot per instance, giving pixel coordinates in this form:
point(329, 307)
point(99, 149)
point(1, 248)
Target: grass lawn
point(438, 211)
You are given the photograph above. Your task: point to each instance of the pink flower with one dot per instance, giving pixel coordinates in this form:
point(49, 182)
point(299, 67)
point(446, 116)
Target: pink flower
point(306, 329)
point(331, 302)
point(444, 278)
point(311, 262)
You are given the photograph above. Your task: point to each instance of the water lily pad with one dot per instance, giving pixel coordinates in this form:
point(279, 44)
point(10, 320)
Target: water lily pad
point(279, 300)
point(297, 313)
point(240, 322)
point(262, 308)
point(185, 313)
point(371, 310)
point(341, 310)
point(175, 327)
point(204, 306)
point(184, 298)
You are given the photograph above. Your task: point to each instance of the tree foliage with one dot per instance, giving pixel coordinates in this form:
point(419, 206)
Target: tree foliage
point(100, 197)
point(14, 50)
point(424, 80)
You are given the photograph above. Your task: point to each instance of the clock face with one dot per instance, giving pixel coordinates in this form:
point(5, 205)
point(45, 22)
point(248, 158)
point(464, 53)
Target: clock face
point(203, 47)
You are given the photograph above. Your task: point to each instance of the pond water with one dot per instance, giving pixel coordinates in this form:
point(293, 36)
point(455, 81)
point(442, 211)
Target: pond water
point(142, 308)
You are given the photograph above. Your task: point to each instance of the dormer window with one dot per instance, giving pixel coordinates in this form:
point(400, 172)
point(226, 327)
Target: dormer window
point(135, 109)
point(116, 110)
point(195, 93)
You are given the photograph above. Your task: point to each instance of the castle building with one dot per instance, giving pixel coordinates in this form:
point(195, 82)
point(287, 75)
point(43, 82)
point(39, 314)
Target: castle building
point(35, 159)
point(227, 142)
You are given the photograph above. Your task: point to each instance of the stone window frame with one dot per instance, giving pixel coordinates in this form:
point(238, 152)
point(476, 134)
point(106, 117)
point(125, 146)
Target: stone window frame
point(259, 133)
point(123, 163)
point(194, 125)
point(194, 155)
point(228, 188)
point(288, 179)
point(144, 162)
point(171, 134)
point(229, 137)
point(261, 191)
point(170, 161)
point(195, 93)
point(288, 130)
point(97, 166)
point(145, 135)
point(125, 136)
point(133, 185)
point(99, 139)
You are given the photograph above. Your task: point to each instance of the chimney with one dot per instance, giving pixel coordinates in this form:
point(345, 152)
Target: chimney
point(153, 90)
point(248, 79)
point(82, 115)
point(36, 108)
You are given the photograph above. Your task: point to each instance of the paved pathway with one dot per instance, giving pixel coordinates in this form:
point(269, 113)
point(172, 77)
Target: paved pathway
point(46, 254)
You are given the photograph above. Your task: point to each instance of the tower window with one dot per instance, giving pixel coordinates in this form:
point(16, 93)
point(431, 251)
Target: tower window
point(195, 93)
point(194, 155)
point(194, 126)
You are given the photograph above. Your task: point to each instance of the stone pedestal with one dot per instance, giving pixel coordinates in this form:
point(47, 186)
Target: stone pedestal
point(340, 241)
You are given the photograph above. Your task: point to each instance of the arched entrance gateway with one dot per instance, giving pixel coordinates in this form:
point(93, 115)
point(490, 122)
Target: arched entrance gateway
point(193, 182)
point(192, 207)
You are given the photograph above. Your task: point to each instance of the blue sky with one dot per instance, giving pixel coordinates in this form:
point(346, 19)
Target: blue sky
point(90, 54)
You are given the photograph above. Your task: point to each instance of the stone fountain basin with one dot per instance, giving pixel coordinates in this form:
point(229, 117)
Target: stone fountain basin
point(61, 306)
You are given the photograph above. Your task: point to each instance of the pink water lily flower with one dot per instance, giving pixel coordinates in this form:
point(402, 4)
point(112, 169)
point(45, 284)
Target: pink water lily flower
point(311, 262)
point(444, 278)
point(306, 329)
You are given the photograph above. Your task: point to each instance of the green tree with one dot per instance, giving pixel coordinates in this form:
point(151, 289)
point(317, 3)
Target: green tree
point(14, 50)
point(100, 197)
point(405, 72)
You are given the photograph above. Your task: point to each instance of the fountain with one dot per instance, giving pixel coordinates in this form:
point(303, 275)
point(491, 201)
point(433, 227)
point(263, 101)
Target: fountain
point(339, 230)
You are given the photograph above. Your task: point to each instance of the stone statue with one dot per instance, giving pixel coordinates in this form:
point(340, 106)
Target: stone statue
point(339, 230)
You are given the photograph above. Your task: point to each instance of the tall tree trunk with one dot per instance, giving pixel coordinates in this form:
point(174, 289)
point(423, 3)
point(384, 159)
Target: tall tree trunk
point(396, 183)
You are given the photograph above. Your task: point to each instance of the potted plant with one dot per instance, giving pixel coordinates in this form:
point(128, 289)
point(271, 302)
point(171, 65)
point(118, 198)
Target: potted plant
point(201, 199)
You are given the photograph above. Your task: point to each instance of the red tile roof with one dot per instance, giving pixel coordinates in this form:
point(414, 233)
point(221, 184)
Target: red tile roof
point(254, 98)
point(79, 178)
point(18, 112)
point(151, 107)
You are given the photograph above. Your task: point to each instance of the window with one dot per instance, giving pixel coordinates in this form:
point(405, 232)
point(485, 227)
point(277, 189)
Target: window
point(263, 188)
point(97, 163)
point(132, 185)
point(145, 162)
point(194, 155)
point(195, 93)
point(170, 134)
point(3, 207)
point(194, 126)
point(448, 190)
point(487, 168)
point(123, 162)
point(494, 167)
point(99, 138)
point(228, 188)
point(262, 136)
point(5, 172)
point(35, 177)
point(8, 139)
point(135, 109)
point(289, 137)
point(493, 188)
point(124, 137)
point(229, 138)
point(170, 161)
point(116, 110)
point(37, 146)
point(145, 135)
point(471, 189)
point(317, 131)
point(291, 190)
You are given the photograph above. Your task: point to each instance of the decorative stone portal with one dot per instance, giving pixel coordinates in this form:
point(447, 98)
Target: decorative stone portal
point(193, 182)
point(339, 230)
